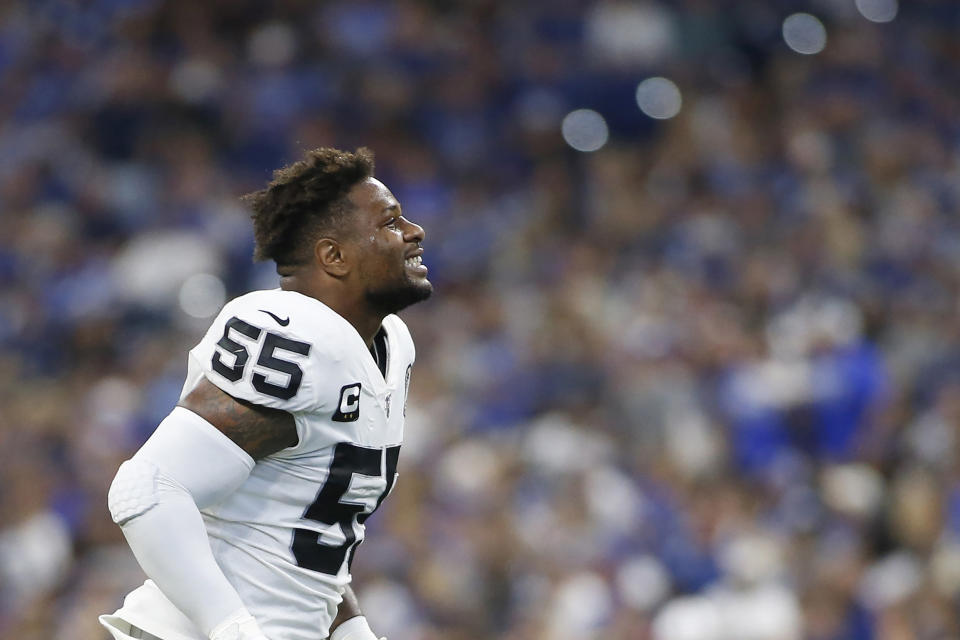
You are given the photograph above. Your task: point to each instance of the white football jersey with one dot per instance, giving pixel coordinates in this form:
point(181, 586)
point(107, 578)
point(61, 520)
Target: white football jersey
point(285, 539)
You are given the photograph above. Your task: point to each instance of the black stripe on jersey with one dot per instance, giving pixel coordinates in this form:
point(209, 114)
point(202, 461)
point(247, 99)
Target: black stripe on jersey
point(381, 351)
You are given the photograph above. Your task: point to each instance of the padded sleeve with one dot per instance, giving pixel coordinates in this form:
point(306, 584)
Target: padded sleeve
point(133, 491)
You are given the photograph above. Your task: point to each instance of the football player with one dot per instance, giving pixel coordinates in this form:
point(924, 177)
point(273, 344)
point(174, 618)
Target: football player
point(246, 505)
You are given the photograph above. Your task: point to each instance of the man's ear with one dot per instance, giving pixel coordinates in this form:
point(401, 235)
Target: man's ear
point(330, 256)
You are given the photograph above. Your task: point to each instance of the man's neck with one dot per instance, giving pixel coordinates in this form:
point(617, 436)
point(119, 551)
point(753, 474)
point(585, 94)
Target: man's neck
point(366, 322)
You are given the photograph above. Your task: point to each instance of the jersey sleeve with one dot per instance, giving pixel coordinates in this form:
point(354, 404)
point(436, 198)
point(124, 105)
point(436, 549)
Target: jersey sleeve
point(267, 348)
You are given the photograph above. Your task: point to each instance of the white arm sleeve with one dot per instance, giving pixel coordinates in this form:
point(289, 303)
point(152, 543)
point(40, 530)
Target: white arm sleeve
point(155, 497)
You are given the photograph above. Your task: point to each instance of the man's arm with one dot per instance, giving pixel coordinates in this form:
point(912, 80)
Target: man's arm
point(165, 530)
point(257, 430)
point(350, 624)
point(261, 431)
point(202, 452)
point(349, 608)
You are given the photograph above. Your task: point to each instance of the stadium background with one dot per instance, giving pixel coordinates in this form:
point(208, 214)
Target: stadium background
point(700, 383)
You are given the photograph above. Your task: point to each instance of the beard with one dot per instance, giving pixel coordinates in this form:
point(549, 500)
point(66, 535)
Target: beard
point(391, 299)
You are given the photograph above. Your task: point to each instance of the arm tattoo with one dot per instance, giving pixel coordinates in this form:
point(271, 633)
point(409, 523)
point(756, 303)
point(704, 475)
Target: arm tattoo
point(257, 430)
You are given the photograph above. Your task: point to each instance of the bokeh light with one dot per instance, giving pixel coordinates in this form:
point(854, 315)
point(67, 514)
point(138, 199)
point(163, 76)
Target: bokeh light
point(659, 98)
point(202, 295)
point(804, 33)
point(585, 130)
point(273, 44)
point(877, 10)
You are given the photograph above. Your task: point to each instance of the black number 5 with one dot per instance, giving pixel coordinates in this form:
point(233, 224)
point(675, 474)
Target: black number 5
point(334, 507)
point(266, 360)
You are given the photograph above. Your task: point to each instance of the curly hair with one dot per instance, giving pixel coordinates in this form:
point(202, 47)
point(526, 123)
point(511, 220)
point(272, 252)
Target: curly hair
point(304, 200)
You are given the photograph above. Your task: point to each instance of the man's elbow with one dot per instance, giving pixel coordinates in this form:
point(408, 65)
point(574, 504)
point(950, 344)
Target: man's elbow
point(133, 491)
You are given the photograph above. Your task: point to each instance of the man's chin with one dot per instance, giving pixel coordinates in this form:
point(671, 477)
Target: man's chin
point(420, 292)
point(394, 300)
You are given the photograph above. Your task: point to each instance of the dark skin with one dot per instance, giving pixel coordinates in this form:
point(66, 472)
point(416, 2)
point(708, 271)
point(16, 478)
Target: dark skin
point(367, 256)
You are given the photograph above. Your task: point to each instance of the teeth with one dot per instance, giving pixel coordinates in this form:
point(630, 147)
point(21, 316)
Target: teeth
point(415, 261)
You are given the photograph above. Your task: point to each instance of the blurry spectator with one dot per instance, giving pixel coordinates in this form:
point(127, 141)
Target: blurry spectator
point(700, 383)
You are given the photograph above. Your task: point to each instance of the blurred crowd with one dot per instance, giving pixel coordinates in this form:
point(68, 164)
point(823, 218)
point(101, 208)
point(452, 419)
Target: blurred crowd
point(700, 384)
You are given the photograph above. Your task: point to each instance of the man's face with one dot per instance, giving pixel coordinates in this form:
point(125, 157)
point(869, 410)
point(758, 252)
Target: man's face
point(389, 263)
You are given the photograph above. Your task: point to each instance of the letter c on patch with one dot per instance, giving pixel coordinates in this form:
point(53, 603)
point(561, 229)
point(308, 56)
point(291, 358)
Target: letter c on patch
point(349, 408)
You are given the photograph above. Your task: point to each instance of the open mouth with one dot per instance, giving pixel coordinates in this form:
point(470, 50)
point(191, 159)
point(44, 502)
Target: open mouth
point(415, 262)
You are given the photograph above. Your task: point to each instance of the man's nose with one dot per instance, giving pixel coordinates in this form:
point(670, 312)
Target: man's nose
point(413, 232)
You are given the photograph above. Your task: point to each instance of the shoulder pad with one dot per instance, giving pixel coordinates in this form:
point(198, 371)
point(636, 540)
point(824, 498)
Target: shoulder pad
point(272, 348)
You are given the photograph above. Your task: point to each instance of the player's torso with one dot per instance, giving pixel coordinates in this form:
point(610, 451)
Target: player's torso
point(286, 537)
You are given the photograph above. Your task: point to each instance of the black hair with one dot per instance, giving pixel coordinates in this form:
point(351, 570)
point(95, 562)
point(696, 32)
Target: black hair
point(304, 199)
